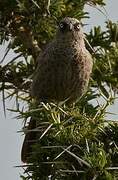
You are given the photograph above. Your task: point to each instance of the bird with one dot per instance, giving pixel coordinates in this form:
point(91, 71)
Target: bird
point(63, 72)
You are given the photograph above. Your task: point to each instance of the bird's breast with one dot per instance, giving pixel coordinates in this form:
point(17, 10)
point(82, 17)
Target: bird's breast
point(71, 70)
point(62, 73)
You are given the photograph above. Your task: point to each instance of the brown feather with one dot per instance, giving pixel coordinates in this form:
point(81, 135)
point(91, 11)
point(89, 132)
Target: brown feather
point(62, 73)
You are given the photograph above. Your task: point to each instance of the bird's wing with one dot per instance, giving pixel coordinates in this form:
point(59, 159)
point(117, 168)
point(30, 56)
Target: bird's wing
point(43, 81)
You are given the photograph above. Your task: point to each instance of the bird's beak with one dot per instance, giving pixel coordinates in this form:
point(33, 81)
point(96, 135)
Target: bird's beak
point(70, 27)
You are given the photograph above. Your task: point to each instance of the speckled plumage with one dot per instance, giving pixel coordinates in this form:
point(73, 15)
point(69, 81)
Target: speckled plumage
point(63, 69)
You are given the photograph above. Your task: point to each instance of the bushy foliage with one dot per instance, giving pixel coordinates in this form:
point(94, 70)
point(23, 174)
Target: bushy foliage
point(75, 142)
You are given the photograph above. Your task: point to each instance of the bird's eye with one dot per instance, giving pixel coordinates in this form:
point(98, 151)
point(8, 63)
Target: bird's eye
point(77, 26)
point(61, 25)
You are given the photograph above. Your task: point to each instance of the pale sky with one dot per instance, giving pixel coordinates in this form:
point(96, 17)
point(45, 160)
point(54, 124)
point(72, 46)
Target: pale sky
point(11, 141)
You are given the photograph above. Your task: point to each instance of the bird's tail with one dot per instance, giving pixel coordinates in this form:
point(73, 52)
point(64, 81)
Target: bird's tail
point(30, 139)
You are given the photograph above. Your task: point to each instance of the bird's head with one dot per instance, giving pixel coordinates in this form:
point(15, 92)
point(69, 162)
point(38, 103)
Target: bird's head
point(70, 28)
